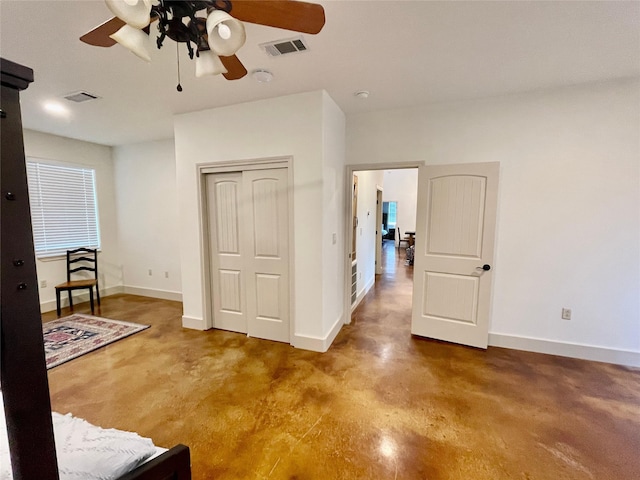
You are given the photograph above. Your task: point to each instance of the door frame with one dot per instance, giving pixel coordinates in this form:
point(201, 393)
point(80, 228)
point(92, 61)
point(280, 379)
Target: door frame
point(204, 169)
point(350, 170)
point(379, 194)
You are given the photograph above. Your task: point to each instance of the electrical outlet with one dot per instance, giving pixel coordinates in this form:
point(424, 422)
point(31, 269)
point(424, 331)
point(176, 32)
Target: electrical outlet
point(150, 272)
point(334, 238)
point(566, 314)
point(43, 284)
point(166, 274)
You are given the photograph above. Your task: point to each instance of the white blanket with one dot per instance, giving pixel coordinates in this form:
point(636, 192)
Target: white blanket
point(84, 451)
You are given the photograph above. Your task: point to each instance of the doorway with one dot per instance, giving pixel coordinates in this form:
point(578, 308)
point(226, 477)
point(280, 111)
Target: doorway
point(369, 239)
point(454, 248)
point(389, 210)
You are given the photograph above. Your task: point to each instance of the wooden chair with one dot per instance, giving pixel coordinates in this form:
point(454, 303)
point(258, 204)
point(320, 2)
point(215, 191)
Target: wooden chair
point(88, 261)
point(400, 239)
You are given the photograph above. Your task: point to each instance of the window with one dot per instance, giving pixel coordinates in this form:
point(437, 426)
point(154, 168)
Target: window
point(390, 209)
point(64, 210)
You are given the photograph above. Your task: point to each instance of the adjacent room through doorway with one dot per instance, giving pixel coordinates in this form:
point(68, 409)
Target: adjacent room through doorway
point(384, 203)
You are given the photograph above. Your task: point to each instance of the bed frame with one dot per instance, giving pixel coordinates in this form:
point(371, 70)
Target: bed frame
point(23, 371)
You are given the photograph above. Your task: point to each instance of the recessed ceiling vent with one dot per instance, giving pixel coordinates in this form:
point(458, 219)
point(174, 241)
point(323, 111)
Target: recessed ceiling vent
point(283, 47)
point(80, 97)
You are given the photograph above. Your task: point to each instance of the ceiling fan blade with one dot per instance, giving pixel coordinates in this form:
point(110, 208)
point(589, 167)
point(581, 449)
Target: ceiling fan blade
point(235, 68)
point(293, 15)
point(99, 36)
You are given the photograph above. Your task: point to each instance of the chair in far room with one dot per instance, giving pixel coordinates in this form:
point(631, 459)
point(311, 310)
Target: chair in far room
point(399, 239)
point(79, 260)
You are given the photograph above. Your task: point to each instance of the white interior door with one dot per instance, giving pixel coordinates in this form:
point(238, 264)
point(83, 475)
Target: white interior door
point(454, 252)
point(224, 193)
point(267, 253)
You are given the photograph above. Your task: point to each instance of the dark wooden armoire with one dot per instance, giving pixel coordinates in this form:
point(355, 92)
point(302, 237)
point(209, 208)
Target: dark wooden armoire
point(23, 372)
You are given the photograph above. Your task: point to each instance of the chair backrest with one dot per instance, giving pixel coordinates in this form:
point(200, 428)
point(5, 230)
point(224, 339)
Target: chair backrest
point(88, 261)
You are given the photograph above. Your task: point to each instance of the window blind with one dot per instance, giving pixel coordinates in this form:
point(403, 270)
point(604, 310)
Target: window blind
point(64, 210)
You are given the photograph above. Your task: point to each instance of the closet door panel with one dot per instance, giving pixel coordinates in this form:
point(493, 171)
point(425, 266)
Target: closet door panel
point(267, 263)
point(225, 211)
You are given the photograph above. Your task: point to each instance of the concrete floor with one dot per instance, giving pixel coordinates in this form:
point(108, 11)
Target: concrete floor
point(380, 404)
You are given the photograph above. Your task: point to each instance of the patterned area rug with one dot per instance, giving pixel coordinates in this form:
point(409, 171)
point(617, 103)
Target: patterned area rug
point(69, 337)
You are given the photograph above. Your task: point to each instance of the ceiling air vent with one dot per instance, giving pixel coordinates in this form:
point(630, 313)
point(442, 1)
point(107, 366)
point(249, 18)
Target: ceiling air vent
point(79, 97)
point(283, 47)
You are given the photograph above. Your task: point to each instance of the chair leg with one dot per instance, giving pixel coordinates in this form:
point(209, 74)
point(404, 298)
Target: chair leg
point(70, 300)
point(91, 299)
point(98, 293)
point(58, 311)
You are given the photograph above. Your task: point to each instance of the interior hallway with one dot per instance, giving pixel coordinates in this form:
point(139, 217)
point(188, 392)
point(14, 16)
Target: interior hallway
point(379, 405)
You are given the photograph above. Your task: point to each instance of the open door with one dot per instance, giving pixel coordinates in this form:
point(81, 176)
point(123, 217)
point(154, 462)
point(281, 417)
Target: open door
point(454, 250)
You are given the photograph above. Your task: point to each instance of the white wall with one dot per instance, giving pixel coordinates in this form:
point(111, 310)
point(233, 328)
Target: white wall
point(368, 181)
point(147, 207)
point(569, 203)
point(61, 149)
point(286, 126)
point(334, 131)
point(401, 186)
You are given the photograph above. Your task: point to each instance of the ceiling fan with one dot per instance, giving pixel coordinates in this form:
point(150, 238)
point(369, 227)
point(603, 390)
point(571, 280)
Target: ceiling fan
point(216, 37)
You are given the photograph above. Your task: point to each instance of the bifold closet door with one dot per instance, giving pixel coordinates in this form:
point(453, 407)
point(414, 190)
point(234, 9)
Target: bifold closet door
point(224, 202)
point(267, 257)
point(249, 244)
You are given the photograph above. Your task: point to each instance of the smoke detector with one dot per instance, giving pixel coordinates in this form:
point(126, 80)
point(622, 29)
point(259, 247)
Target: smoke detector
point(262, 76)
point(284, 47)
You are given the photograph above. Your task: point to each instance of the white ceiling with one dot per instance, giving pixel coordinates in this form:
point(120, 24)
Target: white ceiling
point(404, 52)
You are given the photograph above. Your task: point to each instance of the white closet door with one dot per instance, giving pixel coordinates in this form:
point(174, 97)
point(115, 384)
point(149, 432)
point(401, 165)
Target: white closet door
point(266, 257)
point(224, 193)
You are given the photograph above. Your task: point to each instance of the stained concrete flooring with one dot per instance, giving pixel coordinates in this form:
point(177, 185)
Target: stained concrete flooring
point(380, 404)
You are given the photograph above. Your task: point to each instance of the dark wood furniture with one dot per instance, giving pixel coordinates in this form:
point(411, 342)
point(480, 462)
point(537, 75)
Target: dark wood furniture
point(23, 373)
point(391, 234)
point(411, 237)
point(401, 239)
point(88, 261)
point(174, 464)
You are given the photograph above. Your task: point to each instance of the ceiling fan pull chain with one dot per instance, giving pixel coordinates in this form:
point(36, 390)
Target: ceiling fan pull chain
point(179, 87)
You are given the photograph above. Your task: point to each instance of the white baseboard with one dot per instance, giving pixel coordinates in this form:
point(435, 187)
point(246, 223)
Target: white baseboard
point(363, 292)
point(318, 344)
point(154, 293)
point(50, 305)
point(193, 323)
point(573, 350)
point(333, 332)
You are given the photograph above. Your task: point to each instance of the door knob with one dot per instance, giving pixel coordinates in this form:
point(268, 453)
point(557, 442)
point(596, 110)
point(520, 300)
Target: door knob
point(485, 267)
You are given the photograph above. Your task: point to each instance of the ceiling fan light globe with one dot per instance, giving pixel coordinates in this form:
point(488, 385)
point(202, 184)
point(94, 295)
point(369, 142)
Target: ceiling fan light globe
point(136, 13)
point(134, 40)
point(208, 63)
point(224, 31)
point(225, 47)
